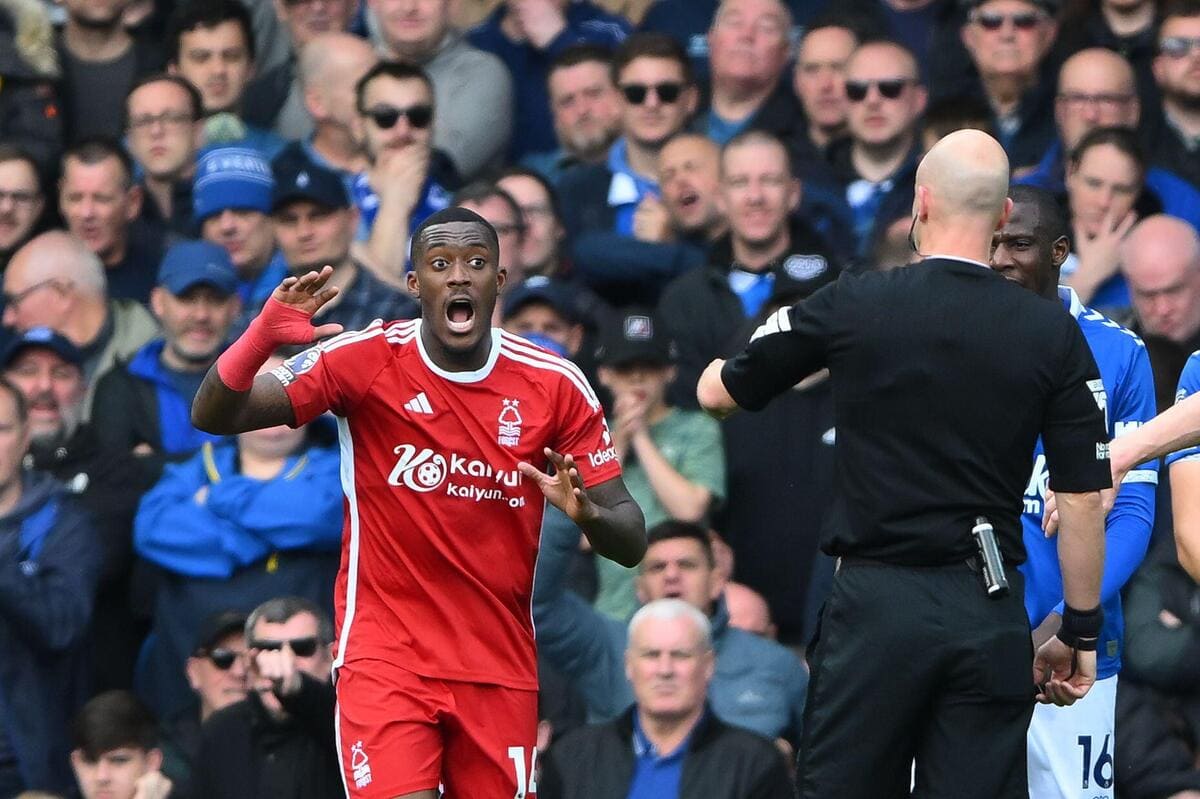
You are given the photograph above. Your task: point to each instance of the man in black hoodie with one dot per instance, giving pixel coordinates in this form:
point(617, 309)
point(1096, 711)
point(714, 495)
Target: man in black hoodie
point(704, 309)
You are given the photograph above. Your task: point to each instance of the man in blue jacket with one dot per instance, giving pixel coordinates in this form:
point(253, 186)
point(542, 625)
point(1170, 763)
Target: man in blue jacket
point(146, 403)
point(758, 685)
point(49, 567)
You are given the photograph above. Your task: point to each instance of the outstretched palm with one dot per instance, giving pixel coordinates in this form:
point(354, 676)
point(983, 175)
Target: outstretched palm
point(564, 489)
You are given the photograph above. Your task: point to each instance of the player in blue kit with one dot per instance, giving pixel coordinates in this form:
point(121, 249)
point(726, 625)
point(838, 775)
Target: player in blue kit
point(1070, 749)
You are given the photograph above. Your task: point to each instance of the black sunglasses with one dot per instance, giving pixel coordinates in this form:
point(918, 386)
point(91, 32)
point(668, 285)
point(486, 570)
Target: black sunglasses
point(1178, 46)
point(856, 90)
point(386, 116)
point(636, 93)
point(221, 657)
point(1023, 22)
point(303, 647)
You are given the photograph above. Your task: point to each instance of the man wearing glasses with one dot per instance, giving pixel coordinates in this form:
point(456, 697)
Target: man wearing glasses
point(1173, 130)
point(407, 180)
point(279, 739)
point(1008, 41)
point(875, 165)
point(21, 200)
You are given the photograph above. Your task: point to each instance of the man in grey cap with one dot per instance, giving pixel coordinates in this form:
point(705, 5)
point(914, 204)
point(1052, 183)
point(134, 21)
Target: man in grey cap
point(145, 403)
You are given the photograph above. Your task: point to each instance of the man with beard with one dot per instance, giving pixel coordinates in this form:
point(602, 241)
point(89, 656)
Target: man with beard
point(47, 370)
point(144, 403)
point(101, 60)
point(407, 179)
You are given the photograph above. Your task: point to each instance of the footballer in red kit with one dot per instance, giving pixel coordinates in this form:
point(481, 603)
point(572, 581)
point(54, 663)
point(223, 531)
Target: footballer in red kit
point(447, 428)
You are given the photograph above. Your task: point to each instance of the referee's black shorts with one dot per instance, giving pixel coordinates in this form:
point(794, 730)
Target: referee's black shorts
point(918, 664)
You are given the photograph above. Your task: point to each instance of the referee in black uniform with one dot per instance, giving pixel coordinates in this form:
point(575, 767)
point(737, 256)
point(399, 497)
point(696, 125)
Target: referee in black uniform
point(944, 374)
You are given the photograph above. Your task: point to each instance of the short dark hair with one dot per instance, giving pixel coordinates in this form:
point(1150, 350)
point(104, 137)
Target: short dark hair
point(645, 44)
point(578, 54)
point(94, 149)
point(946, 115)
point(446, 216)
point(1179, 8)
point(1051, 216)
point(195, 100)
point(673, 528)
point(20, 405)
point(1124, 139)
point(282, 609)
point(481, 191)
point(113, 720)
point(397, 70)
point(13, 152)
point(194, 14)
point(540, 179)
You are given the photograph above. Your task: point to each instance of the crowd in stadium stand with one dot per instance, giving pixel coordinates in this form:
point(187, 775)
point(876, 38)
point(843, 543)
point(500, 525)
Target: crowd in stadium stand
point(661, 176)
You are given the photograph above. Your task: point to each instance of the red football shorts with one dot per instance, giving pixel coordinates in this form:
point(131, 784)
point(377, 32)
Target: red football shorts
point(399, 732)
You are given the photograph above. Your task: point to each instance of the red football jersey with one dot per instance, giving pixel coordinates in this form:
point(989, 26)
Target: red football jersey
point(441, 530)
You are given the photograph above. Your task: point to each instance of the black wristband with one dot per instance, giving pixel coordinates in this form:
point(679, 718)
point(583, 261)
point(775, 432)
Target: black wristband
point(1081, 628)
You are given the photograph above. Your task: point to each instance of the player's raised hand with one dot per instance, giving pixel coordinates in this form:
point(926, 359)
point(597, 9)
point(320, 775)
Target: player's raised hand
point(1063, 675)
point(289, 318)
point(563, 489)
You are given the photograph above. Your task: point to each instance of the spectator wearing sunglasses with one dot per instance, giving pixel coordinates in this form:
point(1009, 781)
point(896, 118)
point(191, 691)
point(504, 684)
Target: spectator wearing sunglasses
point(749, 46)
point(217, 672)
point(279, 741)
point(408, 179)
point(527, 37)
point(1009, 41)
point(601, 204)
point(1172, 130)
point(876, 164)
point(237, 523)
point(473, 89)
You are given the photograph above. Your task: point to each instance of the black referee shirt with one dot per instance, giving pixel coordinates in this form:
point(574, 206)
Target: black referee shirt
point(944, 374)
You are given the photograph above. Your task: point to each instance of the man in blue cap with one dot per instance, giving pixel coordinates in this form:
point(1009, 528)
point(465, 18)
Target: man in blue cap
point(146, 403)
point(232, 205)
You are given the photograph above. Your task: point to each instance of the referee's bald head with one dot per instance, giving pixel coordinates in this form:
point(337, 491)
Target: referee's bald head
point(964, 178)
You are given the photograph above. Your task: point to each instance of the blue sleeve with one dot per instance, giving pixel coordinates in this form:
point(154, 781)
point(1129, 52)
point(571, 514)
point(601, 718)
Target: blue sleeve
point(303, 511)
point(174, 531)
point(605, 258)
point(1129, 524)
point(48, 600)
point(1189, 384)
point(585, 645)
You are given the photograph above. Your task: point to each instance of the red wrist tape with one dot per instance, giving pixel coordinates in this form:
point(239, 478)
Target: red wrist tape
point(278, 324)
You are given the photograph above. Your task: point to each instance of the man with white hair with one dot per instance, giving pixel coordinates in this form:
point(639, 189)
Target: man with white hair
point(55, 281)
point(669, 743)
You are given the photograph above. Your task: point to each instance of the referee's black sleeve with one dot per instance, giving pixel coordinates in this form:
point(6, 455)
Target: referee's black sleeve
point(788, 347)
point(1075, 433)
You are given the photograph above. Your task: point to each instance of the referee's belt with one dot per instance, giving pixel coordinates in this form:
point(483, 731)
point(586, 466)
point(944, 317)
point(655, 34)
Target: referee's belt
point(972, 562)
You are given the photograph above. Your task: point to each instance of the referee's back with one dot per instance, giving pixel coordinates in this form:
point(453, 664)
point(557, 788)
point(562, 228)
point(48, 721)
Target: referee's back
point(944, 374)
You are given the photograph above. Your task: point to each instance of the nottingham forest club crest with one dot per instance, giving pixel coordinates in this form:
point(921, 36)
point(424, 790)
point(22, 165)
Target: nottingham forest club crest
point(509, 433)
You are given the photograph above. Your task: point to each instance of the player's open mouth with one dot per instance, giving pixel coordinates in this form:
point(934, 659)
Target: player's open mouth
point(460, 313)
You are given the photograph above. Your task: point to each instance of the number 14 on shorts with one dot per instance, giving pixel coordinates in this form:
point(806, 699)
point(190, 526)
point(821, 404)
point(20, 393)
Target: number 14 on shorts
point(526, 778)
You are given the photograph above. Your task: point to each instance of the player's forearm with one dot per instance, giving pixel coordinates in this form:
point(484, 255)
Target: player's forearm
point(618, 532)
point(1185, 508)
point(220, 410)
point(1174, 429)
point(1081, 548)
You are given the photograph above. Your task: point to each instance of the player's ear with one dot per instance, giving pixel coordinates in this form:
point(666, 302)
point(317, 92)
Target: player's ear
point(1060, 250)
point(501, 279)
point(413, 284)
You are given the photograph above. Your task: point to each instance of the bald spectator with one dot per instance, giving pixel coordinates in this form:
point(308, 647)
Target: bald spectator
point(328, 71)
point(819, 81)
point(275, 99)
point(1008, 41)
point(55, 281)
point(100, 204)
point(22, 200)
point(669, 744)
point(163, 133)
point(469, 85)
point(528, 37)
point(586, 109)
point(1173, 128)
point(1096, 89)
point(1160, 259)
point(748, 610)
point(749, 46)
point(1128, 27)
point(876, 165)
point(689, 176)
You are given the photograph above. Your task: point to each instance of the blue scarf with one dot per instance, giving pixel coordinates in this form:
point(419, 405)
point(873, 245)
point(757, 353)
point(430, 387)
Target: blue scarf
point(627, 187)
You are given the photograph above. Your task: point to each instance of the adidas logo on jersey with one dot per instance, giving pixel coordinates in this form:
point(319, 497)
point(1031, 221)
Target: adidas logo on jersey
point(419, 404)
